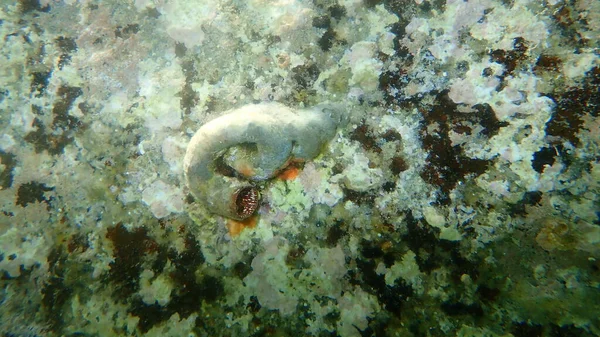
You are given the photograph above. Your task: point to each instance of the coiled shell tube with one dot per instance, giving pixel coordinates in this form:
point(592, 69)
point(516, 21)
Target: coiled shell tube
point(255, 141)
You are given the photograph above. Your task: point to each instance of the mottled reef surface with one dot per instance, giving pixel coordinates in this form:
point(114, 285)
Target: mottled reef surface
point(460, 199)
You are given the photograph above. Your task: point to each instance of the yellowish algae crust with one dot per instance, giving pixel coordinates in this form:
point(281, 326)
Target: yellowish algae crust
point(459, 197)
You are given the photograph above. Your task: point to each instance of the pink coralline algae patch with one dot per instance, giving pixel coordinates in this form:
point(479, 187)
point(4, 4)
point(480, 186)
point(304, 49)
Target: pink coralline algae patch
point(163, 199)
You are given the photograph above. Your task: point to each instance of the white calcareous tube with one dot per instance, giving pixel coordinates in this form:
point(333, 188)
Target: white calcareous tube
point(229, 154)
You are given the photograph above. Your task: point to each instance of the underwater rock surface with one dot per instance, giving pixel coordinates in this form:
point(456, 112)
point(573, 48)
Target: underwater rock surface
point(256, 142)
point(460, 197)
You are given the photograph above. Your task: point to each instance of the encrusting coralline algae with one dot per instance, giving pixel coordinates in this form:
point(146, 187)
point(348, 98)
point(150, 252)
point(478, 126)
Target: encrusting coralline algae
point(461, 197)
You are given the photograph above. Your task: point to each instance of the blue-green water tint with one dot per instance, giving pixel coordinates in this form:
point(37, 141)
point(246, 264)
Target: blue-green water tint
point(461, 198)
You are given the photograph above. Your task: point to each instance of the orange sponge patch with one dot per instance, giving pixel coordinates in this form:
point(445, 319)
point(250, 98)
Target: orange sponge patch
point(235, 227)
point(291, 172)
